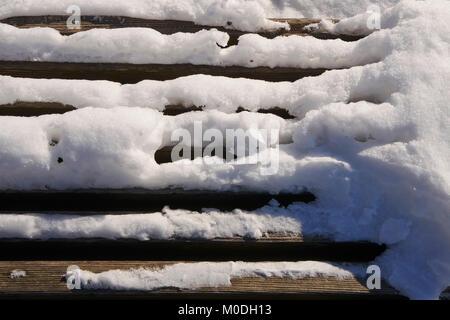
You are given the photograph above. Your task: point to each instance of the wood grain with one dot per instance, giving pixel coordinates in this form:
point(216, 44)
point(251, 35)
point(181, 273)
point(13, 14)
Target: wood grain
point(45, 279)
point(134, 73)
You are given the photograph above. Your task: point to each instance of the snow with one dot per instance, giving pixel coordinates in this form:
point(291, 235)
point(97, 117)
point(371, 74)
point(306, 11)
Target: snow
point(205, 12)
point(217, 93)
point(204, 274)
point(168, 224)
point(371, 141)
point(17, 274)
point(143, 45)
point(114, 148)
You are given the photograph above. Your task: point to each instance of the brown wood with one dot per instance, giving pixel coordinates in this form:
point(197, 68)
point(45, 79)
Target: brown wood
point(163, 26)
point(45, 279)
point(133, 73)
point(33, 109)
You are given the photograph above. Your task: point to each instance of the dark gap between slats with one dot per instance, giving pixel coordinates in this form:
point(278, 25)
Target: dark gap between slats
point(118, 201)
point(134, 73)
point(33, 109)
point(187, 250)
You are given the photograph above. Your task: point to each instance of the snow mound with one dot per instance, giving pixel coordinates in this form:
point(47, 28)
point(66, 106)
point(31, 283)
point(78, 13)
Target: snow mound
point(144, 45)
point(168, 224)
point(228, 14)
point(202, 274)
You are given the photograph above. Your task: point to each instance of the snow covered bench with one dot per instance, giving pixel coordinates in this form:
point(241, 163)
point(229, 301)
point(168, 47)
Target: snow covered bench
point(191, 74)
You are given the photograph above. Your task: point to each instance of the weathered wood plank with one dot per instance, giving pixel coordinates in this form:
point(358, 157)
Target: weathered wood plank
point(163, 26)
point(273, 248)
point(45, 279)
point(119, 200)
point(133, 73)
point(33, 109)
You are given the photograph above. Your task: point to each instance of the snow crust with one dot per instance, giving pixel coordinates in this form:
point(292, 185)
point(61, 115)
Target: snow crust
point(203, 274)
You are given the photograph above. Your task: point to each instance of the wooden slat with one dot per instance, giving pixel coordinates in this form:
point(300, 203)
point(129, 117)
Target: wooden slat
point(133, 73)
point(33, 109)
point(45, 279)
point(164, 26)
point(119, 200)
point(273, 248)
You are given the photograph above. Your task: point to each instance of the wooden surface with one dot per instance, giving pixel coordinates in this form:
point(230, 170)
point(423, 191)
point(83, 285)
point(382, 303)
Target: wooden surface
point(32, 109)
point(45, 278)
point(133, 73)
point(273, 248)
point(46, 261)
point(164, 26)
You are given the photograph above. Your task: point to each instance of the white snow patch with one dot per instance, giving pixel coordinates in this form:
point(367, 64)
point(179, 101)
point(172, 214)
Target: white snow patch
point(212, 93)
point(204, 274)
point(168, 224)
point(143, 45)
point(246, 15)
point(228, 14)
point(17, 274)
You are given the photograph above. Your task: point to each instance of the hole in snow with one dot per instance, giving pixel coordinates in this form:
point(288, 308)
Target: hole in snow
point(60, 160)
point(364, 138)
point(174, 110)
point(164, 155)
point(280, 112)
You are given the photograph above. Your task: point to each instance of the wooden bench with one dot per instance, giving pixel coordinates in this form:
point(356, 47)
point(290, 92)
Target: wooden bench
point(46, 261)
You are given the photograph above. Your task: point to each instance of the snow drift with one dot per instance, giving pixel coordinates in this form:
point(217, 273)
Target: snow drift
point(203, 274)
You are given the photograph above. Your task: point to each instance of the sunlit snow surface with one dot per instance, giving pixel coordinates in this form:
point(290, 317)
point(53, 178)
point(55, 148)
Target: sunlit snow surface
point(371, 141)
point(205, 274)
